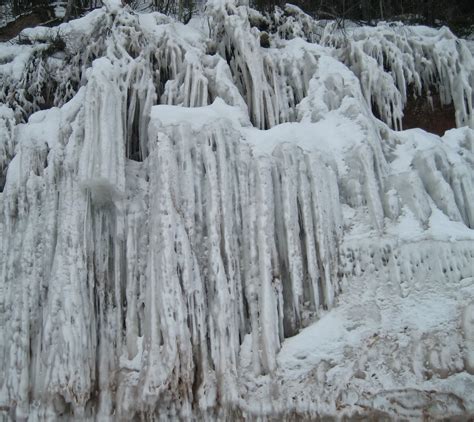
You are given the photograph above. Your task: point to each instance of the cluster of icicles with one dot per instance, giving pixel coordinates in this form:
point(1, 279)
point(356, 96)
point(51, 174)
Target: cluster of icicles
point(139, 253)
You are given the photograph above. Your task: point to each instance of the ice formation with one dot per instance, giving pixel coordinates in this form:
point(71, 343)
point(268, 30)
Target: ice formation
point(197, 227)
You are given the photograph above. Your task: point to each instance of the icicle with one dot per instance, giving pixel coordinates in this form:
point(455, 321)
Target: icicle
point(156, 259)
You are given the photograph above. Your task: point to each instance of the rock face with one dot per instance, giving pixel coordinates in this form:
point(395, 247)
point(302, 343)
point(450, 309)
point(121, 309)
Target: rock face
point(217, 233)
point(427, 113)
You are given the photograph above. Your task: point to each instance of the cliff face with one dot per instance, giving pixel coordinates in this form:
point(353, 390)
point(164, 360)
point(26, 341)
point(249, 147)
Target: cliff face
point(196, 226)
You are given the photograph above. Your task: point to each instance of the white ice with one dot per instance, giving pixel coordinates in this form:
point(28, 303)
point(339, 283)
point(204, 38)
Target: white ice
point(195, 226)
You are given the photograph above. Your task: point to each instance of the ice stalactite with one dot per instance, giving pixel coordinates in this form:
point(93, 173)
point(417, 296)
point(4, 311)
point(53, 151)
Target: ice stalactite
point(272, 83)
point(259, 255)
point(159, 66)
point(161, 253)
point(217, 263)
point(392, 61)
point(422, 58)
point(7, 124)
point(239, 46)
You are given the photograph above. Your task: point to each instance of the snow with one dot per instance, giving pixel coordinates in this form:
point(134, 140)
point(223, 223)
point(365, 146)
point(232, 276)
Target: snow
point(196, 227)
point(345, 345)
point(199, 117)
point(13, 60)
point(470, 45)
point(417, 56)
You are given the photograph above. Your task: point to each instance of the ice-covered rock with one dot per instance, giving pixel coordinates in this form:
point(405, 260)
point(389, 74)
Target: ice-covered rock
point(199, 227)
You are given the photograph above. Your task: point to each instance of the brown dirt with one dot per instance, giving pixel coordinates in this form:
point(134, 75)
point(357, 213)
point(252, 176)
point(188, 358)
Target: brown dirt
point(418, 113)
point(41, 16)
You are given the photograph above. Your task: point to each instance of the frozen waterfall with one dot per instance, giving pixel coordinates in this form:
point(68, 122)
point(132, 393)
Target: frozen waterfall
point(193, 226)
